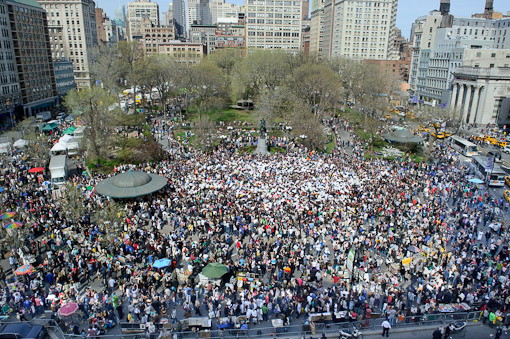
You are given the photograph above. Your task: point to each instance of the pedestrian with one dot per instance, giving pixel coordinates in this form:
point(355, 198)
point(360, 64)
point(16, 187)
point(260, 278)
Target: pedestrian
point(386, 327)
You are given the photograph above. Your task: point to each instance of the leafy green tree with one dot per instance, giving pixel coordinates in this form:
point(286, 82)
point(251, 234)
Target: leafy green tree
point(96, 107)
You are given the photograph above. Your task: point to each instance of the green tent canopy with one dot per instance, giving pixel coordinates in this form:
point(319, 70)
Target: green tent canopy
point(70, 130)
point(49, 127)
point(214, 270)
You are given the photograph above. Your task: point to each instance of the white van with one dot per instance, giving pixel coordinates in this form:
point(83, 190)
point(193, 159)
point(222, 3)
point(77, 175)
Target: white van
point(58, 170)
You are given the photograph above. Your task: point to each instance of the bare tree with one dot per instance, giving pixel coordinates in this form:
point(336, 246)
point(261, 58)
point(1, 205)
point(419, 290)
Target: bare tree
point(72, 202)
point(438, 120)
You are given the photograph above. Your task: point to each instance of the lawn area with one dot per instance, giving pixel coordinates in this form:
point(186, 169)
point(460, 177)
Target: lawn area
point(331, 144)
point(225, 114)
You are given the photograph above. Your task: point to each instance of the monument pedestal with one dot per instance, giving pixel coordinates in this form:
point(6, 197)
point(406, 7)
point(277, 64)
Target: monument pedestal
point(261, 147)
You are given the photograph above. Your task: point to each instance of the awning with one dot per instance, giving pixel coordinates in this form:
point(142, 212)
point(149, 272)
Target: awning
point(58, 147)
point(70, 130)
point(49, 127)
point(402, 136)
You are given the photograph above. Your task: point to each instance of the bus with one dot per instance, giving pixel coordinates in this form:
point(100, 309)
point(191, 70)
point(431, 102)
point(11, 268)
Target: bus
point(464, 147)
point(494, 176)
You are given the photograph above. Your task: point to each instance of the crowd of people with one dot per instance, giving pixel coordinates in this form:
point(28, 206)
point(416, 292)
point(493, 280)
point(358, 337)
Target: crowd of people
point(300, 232)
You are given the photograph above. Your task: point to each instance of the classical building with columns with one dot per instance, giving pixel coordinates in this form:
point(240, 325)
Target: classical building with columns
point(441, 43)
point(481, 95)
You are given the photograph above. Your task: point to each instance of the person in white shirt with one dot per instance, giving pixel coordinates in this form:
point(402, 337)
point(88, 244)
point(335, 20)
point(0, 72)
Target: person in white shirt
point(386, 327)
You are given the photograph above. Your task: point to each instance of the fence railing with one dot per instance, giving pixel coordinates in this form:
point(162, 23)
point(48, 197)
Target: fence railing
point(307, 330)
point(316, 329)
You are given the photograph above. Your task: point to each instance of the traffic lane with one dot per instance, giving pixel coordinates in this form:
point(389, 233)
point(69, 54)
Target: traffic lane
point(471, 332)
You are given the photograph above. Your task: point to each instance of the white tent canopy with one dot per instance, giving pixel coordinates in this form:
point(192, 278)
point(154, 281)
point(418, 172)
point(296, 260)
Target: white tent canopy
point(64, 139)
point(20, 143)
point(58, 147)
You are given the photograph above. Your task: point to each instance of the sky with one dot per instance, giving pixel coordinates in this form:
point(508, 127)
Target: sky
point(408, 10)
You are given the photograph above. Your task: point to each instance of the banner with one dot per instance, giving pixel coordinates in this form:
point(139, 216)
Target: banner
point(350, 260)
point(406, 261)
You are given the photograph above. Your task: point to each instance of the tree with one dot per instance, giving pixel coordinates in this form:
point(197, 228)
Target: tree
point(96, 107)
point(110, 218)
point(205, 86)
point(259, 71)
point(130, 57)
point(226, 59)
point(107, 69)
point(438, 120)
point(164, 75)
point(308, 125)
point(317, 84)
point(37, 143)
point(72, 202)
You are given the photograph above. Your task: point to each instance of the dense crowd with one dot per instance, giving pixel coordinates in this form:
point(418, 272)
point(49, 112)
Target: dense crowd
point(422, 237)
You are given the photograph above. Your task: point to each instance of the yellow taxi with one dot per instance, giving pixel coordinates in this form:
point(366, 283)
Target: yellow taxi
point(490, 139)
point(507, 195)
point(422, 129)
point(507, 180)
point(441, 135)
point(502, 144)
point(387, 116)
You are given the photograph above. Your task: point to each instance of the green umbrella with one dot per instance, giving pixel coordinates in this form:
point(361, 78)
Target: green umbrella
point(69, 130)
point(49, 127)
point(214, 270)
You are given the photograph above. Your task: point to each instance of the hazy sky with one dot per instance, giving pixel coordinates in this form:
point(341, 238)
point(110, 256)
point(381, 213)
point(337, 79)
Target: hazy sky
point(408, 10)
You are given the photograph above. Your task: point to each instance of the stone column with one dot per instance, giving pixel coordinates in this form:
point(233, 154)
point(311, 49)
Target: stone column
point(461, 98)
point(453, 100)
point(474, 106)
point(465, 109)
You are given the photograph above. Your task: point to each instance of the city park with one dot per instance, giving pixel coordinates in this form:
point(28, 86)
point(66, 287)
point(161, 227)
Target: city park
point(173, 224)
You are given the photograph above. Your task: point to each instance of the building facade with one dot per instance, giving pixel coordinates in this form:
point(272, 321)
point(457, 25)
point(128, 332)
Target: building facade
point(204, 35)
point(441, 43)
point(317, 30)
point(153, 36)
point(10, 95)
point(179, 15)
point(136, 12)
point(30, 37)
point(481, 95)
point(106, 29)
point(72, 29)
point(273, 24)
point(64, 77)
point(229, 34)
point(359, 29)
point(184, 52)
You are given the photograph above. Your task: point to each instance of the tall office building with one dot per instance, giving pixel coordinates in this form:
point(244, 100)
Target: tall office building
point(120, 15)
point(167, 18)
point(72, 29)
point(316, 28)
point(32, 51)
point(179, 10)
point(106, 29)
point(223, 10)
point(136, 11)
point(209, 12)
point(273, 25)
point(193, 13)
point(359, 29)
point(10, 95)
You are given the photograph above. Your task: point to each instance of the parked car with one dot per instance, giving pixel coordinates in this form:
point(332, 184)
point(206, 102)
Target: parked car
point(506, 149)
point(61, 116)
point(22, 331)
